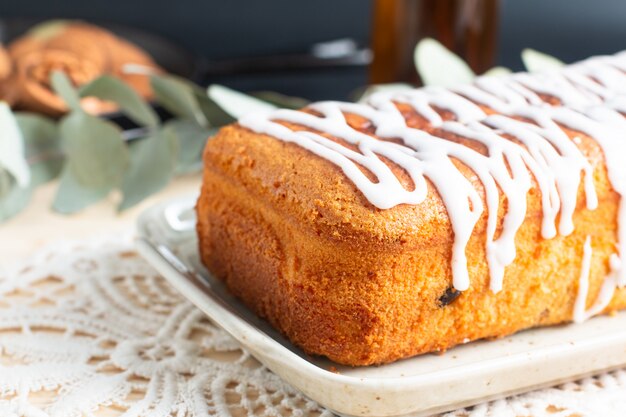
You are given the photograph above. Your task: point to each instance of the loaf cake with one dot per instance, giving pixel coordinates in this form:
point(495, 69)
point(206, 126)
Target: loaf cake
point(425, 219)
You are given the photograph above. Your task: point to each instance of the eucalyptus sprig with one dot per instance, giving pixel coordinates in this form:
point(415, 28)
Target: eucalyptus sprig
point(439, 66)
point(92, 156)
point(100, 160)
point(38, 148)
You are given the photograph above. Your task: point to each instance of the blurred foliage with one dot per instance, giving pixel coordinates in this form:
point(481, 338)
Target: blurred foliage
point(91, 156)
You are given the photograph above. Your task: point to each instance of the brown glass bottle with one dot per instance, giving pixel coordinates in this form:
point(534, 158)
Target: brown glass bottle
point(467, 27)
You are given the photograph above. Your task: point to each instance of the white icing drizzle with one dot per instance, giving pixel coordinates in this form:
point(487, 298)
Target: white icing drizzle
point(588, 82)
point(606, 125)
point(580, 304)
point(540, 151)
point(607, 290)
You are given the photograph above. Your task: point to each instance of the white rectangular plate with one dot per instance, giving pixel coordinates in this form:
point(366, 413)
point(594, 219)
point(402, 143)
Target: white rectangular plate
point(422, 385)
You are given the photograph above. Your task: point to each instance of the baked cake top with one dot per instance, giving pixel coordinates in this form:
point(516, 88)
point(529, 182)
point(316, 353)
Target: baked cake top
point(517, 132)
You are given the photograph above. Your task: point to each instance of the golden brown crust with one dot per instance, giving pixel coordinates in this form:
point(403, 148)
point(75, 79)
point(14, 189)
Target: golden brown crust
point(297, 242)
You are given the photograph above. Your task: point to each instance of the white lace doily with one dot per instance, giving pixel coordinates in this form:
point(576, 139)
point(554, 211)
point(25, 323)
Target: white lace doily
point(90, 329)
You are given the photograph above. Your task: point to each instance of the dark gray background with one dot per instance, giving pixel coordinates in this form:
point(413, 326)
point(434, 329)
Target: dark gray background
point(222, 29)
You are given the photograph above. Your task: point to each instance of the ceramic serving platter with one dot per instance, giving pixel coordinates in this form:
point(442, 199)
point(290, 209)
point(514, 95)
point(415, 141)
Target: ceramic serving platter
point(419, 386)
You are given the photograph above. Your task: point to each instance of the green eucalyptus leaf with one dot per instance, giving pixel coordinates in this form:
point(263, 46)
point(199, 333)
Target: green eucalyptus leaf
point(436, 65)
point(186, 82)
point(113, 89)
point(43, 147)
point(235, 103)
point(497, 72)
point(12, 153)
point(13, 198)
point(152, 164)
point(191, 140)
point(213, 113)
point(45, 170)
point(6, 182)
point(96, 153)
point(44, 157)
point(281, 100)
point(35, 127)
point(73, 196)
point(96, 159)
point(536, 61)
point(177, 97)
point(365, 93)
point(64, 89)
